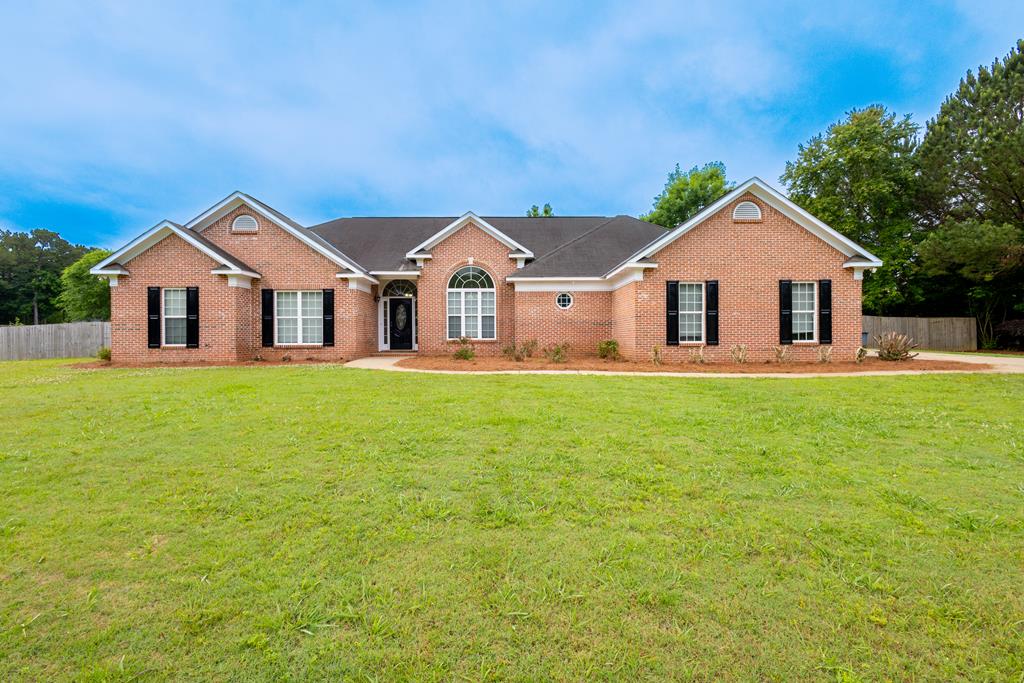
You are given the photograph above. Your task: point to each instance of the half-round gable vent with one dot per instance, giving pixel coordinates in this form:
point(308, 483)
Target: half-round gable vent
point(245, 223)
point(746, 211)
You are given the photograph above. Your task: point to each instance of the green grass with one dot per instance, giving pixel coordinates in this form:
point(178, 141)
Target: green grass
point(314, 522)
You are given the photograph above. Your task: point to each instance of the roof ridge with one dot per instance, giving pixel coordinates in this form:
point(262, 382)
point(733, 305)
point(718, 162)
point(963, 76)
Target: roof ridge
point(574, 240)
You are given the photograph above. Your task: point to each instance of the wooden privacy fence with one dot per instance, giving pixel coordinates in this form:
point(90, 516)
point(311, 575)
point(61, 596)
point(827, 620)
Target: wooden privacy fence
point(940, 334)
point(64, 340)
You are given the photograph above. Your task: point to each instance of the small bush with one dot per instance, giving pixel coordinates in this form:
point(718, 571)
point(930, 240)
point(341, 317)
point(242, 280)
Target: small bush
point(862, 353)
point(783, 354)
point(738, 353)
point(824, 354)
point(557, 353)
point(286, 359)
point(519, 352)
point(656, 355)
point(465, 350)
point(697, 356)
point(608, 349)
point(103, 353)
point(895, 346)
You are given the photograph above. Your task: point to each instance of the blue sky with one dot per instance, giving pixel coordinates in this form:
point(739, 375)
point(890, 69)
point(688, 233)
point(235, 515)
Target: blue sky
point(114, 116)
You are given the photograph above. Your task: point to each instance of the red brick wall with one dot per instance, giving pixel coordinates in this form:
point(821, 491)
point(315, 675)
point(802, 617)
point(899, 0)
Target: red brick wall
point(172, 262)
point(448, 256)
point(583, 325)
point(748, 259)
point(285, 262)
point(623, 316)
point(230, 317)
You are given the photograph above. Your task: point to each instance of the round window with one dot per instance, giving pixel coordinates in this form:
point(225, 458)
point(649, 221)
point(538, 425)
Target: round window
point(564, 300)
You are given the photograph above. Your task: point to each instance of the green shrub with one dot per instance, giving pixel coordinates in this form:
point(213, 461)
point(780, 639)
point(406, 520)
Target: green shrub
point(519, 352)
point(557, 353)
point(465, 350)
point(103, 353)
point(608, 349)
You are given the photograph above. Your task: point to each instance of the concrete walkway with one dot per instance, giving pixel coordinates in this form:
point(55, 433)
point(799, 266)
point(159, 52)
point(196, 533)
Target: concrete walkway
point(1001, 364)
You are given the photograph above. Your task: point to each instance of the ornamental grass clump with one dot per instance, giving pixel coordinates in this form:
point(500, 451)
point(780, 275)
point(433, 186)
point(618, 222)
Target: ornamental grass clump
point(895, 346)
point(783, 354)
point(824, 354)
point(697, 356)
point(738, 353)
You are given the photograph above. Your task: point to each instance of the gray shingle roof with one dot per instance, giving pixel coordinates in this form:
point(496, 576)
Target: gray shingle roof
point(562, 245)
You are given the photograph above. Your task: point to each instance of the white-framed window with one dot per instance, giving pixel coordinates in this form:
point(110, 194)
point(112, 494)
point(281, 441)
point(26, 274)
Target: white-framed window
point(298, 317)
point(244, 223)
point(174, 317)
point(471, 304)
point(564, 300)
point(691, 312)
point(805, 306)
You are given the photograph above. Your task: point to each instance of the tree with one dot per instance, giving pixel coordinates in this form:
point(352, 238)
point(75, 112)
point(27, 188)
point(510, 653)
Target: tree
point(84, 296)
point(30, 268)
point(536, 211)
point(972, 154)
point(685, 194)
point(988, 259)
point(860, 177)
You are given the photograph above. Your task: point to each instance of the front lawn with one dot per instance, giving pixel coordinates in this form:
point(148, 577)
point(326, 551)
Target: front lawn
point(315, 522)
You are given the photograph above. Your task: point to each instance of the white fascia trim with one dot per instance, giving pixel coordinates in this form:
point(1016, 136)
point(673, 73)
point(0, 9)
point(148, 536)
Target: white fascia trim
point(862, 263)
point(766, 193)
point(108, 271)
point(459, 222)
point(395, 273)
point(352, 277)
point(235, 199)
point(633, 265)
point(575, 284)
point(233, 271)
point(589, 278)
point(152, 237)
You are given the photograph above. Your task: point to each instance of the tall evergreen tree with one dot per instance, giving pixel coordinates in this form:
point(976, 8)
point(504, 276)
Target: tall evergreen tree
point(30, 267)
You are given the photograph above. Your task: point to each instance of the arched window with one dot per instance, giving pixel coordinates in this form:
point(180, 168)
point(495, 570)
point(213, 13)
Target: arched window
point(746, 211)
point(471, 304)
point(244, 223)
point(399, 288)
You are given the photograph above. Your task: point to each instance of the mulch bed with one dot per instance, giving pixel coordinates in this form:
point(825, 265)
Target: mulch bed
point(103, 364)
point(590, 363)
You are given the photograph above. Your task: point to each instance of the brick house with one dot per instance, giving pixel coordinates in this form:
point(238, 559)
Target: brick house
point(243, 281)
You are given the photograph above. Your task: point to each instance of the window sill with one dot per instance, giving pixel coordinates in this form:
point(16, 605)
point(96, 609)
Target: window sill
point(805, 342)
point(173, 346)
point(692, 343)
point(298, 346)
point(472, 340)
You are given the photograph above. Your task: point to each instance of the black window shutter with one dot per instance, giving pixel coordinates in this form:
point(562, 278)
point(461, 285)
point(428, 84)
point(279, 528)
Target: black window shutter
point(153, 310)
point(267, 328)
point(711, 312)
point(824, 311)
point(192, 317)
point(672, 313)
point(328, 317)
point(785, 311)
